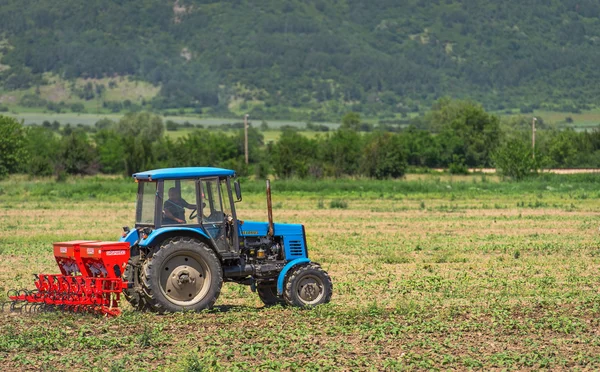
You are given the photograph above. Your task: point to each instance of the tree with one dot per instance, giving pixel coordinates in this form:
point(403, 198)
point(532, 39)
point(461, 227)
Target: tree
point(292, 155)
point(384, 156)
point(111, 151)
point(562, 148)
point(514, 158)
point(466, 130)
point(255, 141)
point(77, 155)
point(342, 151)
point(351, 121)
point(138, 132)
point(43, 148)
point(12, 146)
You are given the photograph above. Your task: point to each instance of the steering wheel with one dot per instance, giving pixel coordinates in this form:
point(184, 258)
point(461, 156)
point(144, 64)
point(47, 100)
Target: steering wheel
point(193, 214)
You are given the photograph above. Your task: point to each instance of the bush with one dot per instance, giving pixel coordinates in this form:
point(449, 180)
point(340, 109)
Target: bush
point(77, 107)
point(317, 127)
point(56, 107)
point(458, 165)
point(113, 106)
point(32, 100)
point(171, 126)
point(514, 159)
point(338, 204)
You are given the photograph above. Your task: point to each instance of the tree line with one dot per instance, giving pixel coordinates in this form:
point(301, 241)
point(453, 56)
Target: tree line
point(460, 135)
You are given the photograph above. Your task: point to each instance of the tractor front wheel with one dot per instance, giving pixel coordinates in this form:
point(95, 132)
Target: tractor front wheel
point(307, 286)
point(184, 274)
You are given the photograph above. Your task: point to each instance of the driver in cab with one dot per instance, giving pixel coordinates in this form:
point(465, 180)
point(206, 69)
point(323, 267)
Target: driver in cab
point(174, 208)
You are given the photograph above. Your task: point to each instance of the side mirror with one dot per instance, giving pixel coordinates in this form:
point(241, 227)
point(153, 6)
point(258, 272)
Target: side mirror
point(238, 191)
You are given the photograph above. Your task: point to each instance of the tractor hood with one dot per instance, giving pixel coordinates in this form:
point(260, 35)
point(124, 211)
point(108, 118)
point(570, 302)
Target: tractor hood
point(292, 235)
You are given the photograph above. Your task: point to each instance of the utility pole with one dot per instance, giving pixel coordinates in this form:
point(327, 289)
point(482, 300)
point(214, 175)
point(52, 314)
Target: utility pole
point(533, 136)
point(246, 137)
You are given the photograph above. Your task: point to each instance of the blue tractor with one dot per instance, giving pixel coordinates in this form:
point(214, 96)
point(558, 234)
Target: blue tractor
point(188, 240)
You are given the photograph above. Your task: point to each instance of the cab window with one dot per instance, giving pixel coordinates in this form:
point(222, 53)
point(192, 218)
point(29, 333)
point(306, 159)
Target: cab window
point(212, 210)
point(179, 206)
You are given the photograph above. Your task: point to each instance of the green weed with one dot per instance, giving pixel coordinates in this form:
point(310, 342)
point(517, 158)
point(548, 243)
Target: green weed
point(338, 204)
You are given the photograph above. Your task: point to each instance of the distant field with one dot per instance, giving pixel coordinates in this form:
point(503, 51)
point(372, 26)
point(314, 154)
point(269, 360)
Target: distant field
point(432, 272)
point(584, 121)
point(91, 119)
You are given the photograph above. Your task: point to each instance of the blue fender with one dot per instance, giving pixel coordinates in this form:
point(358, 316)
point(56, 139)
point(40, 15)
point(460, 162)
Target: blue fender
point(286, 268)
point(130, 238)
point(156, 233)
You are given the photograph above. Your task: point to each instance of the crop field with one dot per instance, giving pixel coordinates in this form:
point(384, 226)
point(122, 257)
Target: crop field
point(429, 272)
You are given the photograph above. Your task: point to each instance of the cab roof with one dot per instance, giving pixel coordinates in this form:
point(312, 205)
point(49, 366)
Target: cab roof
point(184, 172)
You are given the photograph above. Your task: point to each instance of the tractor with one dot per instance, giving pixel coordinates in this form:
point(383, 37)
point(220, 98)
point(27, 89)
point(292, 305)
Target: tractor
point(188, 240)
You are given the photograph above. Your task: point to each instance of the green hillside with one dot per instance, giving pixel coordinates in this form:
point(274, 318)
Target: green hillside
point(312, 59)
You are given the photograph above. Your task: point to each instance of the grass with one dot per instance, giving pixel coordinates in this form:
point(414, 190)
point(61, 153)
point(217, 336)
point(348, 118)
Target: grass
point(480, 275)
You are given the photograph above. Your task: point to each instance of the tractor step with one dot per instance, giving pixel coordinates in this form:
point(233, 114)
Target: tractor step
point(90, 280)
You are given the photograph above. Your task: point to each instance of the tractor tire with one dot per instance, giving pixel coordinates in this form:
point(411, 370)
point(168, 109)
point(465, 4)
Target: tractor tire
point(307, 286)
point(267, 292)
point(184, 274)
point(134, 295)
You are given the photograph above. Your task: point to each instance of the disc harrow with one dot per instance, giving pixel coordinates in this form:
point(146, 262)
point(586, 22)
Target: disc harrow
point(90, 280)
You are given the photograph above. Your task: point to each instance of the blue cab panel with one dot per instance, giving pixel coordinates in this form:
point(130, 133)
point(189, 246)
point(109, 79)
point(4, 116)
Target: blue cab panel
point(294, 242)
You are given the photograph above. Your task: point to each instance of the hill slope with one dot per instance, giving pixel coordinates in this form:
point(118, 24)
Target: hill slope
point(320, 55)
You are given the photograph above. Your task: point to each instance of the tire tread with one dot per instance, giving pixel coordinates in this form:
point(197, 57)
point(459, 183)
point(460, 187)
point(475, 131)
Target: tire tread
point(288, 293)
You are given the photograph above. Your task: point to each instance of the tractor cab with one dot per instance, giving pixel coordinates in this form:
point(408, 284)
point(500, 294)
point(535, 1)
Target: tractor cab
point(199, 199)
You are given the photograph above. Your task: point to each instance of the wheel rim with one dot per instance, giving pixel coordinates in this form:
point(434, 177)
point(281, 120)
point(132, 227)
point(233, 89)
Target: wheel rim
point(184, 279)
point(310, 289)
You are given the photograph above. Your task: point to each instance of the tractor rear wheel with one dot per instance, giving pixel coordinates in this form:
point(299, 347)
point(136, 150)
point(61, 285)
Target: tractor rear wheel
point(134, 295)
point(184, 274)
point(307, 285)
point(267, 291)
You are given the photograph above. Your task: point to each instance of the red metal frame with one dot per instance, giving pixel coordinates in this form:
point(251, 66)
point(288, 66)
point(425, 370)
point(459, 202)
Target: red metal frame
point(98, 288)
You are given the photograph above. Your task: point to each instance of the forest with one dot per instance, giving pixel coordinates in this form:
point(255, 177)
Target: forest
point(459, 135)
point(312, 60)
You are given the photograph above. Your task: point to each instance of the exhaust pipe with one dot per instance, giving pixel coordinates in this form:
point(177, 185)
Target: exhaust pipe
point(271, 230)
